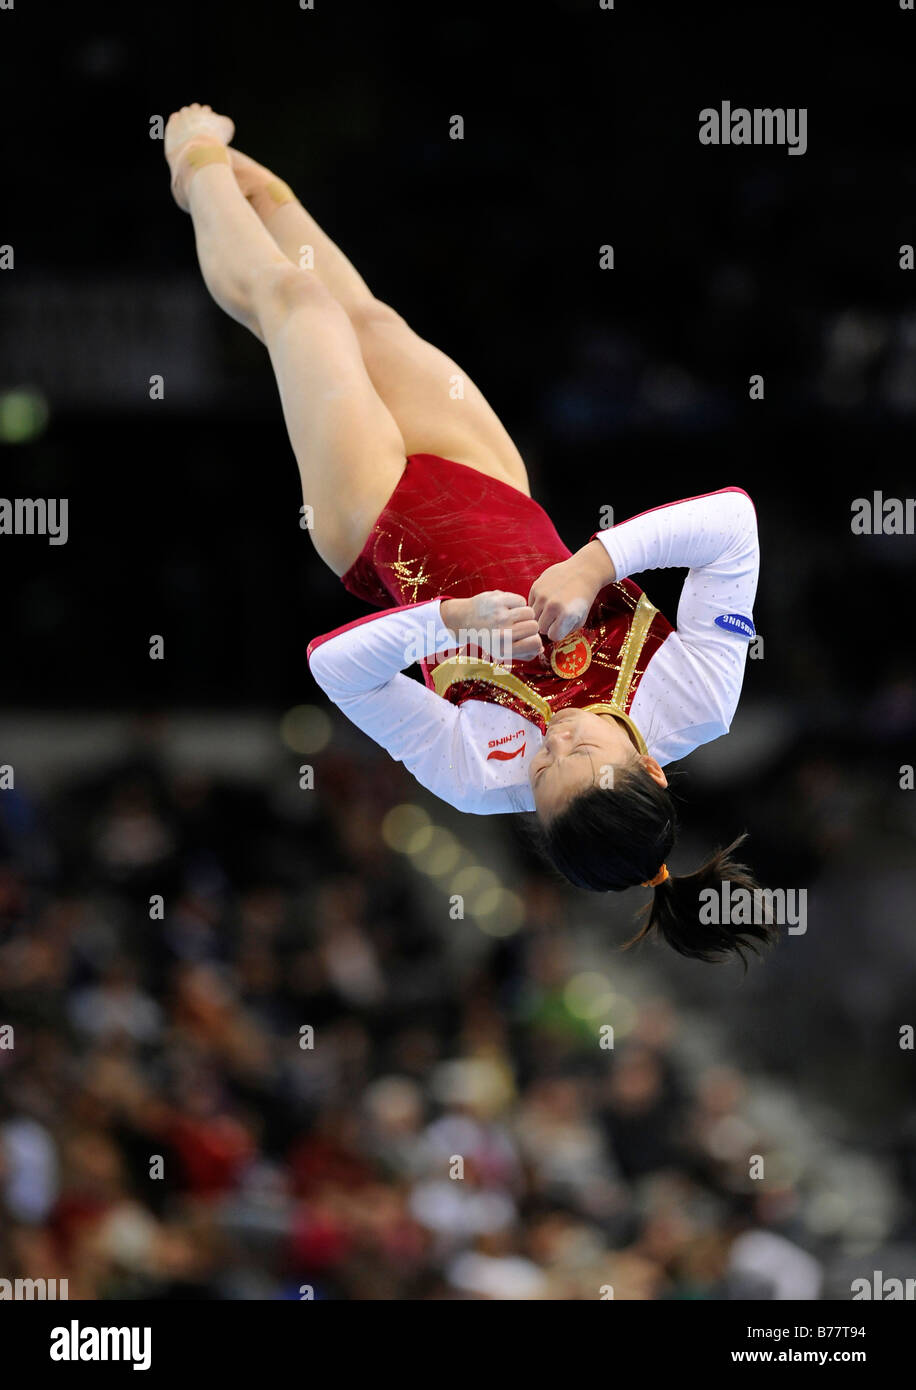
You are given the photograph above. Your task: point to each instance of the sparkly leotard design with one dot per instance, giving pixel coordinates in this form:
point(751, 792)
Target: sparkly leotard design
point(448, 529)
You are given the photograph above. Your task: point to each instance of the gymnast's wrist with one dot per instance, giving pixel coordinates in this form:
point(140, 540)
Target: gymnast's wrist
point(596, 563)
point(452, 612)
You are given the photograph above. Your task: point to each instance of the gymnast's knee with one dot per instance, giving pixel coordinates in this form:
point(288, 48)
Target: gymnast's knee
point(369, 313)
point(280, 290)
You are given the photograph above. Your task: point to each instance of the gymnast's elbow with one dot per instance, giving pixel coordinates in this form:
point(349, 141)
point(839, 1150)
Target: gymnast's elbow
point(747, 514)
point(334, 679)
point(321, 667)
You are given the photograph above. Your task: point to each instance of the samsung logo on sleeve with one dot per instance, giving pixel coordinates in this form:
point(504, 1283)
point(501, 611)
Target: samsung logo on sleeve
point(736, 622)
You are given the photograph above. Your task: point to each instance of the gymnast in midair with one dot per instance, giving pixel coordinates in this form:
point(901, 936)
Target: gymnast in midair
point(552, 685)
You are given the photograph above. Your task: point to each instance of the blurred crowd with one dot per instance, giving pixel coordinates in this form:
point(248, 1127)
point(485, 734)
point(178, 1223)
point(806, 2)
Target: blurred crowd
point(247, 1063)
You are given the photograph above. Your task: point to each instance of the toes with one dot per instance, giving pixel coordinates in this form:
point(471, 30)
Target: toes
point(195, 119)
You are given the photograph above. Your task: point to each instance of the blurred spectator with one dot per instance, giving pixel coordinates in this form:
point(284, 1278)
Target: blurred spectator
point(164, 1132)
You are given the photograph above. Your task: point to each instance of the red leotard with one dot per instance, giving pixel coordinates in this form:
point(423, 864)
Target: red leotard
point(449, 529)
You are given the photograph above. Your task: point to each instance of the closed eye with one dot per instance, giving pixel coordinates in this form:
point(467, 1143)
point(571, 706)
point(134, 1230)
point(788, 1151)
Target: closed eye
point(581, 748)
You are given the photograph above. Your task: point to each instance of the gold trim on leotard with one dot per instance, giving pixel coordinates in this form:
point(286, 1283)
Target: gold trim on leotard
point(467, 668)
point(624, 719)
point(631, 650)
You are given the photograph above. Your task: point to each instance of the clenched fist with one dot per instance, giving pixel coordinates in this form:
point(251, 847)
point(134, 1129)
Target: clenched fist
point(562, 595)
point(500, 623)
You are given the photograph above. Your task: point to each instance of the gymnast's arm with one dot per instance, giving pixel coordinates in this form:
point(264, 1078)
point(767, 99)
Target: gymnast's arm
point(360, 667)
point(714, 537)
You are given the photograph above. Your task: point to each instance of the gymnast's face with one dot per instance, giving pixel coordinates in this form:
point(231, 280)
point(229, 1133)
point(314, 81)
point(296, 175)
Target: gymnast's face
point(578, 744)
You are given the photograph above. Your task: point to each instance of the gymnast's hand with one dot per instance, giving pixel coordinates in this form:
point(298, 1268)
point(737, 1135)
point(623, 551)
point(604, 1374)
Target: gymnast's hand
point(563, 594)
point(499, 622)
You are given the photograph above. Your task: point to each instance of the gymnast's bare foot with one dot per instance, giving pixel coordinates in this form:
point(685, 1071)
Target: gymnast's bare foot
point(194, 136)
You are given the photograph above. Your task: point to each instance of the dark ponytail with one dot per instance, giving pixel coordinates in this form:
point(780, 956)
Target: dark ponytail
point(607, 840)
point(682, 918)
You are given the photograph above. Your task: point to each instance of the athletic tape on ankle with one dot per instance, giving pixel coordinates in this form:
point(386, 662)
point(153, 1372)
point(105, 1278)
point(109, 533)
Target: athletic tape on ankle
point(199, 155)
point(279, 192)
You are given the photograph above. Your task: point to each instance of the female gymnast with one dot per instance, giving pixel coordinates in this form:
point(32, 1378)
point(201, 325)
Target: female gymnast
point(552, 684)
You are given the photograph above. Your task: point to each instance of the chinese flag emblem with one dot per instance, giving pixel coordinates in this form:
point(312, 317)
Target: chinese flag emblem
point(572, 656)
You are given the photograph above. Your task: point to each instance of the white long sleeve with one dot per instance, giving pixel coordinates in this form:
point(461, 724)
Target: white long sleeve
point(466, 754)
point(690, 691)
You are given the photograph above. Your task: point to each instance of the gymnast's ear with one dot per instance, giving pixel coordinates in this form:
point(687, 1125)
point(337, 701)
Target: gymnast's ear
point(653, 768)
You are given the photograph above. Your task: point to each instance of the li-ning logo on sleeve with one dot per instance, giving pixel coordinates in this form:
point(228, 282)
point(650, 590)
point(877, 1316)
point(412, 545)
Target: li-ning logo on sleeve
point(736, 622)
point(501, 754)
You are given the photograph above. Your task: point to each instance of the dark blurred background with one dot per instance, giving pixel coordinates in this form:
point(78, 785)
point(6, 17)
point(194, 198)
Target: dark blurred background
point(283, 907)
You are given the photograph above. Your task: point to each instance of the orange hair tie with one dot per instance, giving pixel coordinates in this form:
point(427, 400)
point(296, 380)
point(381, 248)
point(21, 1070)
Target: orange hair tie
point(659, 878)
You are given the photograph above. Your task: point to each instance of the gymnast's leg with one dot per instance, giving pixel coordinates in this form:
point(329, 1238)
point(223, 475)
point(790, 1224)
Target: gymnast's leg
point(348, 447)
point(438, 409)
